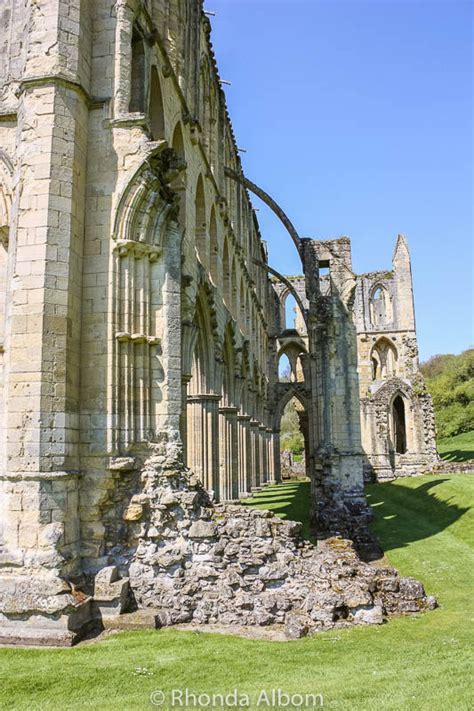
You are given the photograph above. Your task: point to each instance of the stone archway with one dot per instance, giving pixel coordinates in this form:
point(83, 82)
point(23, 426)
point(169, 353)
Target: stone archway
point(202, 427)
point(399, 425)
point(285, 393)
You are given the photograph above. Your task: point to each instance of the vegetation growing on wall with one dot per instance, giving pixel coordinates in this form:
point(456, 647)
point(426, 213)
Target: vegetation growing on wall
point(450, 380)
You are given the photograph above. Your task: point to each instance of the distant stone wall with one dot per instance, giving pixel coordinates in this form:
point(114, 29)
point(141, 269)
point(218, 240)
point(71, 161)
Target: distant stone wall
point(466, 467)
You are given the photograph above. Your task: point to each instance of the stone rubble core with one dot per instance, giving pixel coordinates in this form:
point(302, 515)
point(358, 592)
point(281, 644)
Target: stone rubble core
point(235, 565)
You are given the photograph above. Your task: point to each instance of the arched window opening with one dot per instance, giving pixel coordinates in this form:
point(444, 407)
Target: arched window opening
point(242, 305)
point(234, 287)
point(375, 367)
point(284, 369)
point(294, 433)
point(399, 425)
point(214, 247)
point(138, 71)
point(200, 422)
point(226, 275)
point(383, 360)
point(177, 144)
point(200, 223)
point(157, 114)
point(291, 318)
point(380, 307)
point(290, 312)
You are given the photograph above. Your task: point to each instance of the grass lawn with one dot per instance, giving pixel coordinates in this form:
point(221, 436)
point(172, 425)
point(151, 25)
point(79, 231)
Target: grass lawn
point(420, 662)
point(457, 449)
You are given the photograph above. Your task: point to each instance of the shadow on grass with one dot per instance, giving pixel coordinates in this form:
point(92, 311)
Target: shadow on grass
point(457, 455)
point(289, 500)
point(405, 514)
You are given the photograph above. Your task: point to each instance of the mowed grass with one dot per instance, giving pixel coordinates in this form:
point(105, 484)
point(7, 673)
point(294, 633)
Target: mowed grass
point(457, 449)
point(419, 662)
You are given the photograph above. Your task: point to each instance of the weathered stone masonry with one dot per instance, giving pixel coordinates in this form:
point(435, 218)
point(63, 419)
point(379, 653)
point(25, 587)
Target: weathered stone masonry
point(140, 335)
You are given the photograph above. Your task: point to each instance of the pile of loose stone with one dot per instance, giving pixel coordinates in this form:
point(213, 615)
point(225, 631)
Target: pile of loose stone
point(236, 565)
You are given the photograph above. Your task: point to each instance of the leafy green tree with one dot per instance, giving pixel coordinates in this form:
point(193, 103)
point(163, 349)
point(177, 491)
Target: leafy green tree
point(450, 380)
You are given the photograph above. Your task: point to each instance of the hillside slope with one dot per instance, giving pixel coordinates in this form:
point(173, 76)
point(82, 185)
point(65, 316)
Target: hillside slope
point(450, 380)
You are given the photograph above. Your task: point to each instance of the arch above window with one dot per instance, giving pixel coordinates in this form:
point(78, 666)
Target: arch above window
point(380, 306)
point(399, 430)
point(200, 224)
point(383, 359)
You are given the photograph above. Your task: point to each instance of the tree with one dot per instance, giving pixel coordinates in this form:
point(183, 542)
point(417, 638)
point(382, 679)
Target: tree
point(450, 381)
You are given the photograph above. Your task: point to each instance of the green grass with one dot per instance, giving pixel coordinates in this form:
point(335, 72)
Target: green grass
point(419, 662)
point(458, 448)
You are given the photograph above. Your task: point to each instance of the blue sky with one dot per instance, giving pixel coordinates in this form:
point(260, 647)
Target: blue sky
point(357, 117)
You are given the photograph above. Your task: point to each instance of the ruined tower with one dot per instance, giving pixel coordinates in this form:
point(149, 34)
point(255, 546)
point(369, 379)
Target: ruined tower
point(398, 436)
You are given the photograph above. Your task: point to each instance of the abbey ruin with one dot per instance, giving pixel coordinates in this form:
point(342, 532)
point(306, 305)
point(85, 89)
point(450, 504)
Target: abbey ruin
point(141, 329)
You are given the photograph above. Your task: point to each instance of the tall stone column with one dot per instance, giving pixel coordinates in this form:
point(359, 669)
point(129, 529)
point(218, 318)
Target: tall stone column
point(254, 425)
point(276, 455)
point(228, 453)
point(244, 454)
point(202, 436)
point(263, 454)
point(270, 458)
point(303, 420)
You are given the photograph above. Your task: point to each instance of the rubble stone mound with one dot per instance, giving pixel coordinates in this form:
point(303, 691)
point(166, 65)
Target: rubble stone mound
point(235, 565)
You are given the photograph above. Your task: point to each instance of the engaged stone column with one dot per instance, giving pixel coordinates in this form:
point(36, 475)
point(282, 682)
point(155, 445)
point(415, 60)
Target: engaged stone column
point(228, 454)
point(202, 439)
point(244, 451)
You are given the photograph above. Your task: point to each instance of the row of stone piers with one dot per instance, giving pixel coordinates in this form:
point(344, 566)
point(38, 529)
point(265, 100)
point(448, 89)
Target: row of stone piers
point(232, 453)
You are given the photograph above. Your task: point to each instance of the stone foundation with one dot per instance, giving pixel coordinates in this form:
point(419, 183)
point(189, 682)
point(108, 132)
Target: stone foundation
point(234, 565)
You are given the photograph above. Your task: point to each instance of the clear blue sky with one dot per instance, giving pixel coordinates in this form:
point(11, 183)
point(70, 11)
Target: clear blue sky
point(357, 118)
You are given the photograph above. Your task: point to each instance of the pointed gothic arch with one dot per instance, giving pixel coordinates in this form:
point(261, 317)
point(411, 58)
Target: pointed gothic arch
point(399, 424)
point(383, 359)
point(200, 223)
point(146, 210)
point(380, 306)
point(214, 247)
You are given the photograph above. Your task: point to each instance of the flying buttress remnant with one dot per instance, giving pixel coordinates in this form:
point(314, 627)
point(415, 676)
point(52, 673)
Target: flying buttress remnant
point(283, 217)
point(289, 285)
point(240, 178)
